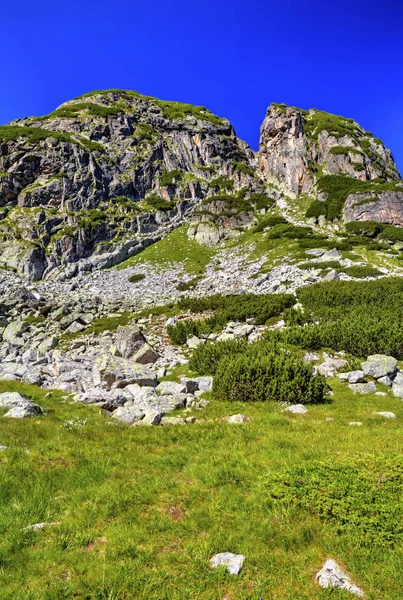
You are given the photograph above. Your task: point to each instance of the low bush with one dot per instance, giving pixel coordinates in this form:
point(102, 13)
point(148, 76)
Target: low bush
point(188, 285)
point(269, 221)
point(159, 203)
point(280, 377)
point(136, 277)
point(225, 309)
point(361, 272)
point(362, 495)
point(293, 232)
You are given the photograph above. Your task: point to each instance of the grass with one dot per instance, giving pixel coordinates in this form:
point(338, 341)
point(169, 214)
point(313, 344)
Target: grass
point(143, 521)
point(37, 134)
point(175, 248)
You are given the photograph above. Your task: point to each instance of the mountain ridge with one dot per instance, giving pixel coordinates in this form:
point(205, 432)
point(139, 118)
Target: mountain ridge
point(109, 172)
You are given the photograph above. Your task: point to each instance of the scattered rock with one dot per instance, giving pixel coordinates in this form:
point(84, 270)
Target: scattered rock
point(355, 423)
point(296, 409)
point(331, 576)
point(237, 419)
point(363, 388)
point(386, 415)
point(232, 562)
point(38, 526)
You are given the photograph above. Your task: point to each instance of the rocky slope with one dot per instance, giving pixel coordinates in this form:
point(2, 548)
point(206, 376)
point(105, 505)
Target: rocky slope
point(109, 173)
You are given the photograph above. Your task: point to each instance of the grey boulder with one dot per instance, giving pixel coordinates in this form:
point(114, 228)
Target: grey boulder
point(379, 365)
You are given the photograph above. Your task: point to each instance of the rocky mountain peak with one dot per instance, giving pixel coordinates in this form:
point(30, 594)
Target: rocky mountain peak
point(298, 147)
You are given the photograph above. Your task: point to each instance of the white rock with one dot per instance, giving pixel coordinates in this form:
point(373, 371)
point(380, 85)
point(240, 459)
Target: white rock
point(386, 414)
point(355, 423)
point(296, 409)
point(237, 419)
point(233, 562)
point(331, 576)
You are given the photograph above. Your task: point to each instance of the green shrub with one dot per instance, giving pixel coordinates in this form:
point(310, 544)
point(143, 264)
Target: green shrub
point(362, 271)
point(392, 233)
point(227, 308)
point(316, 209)
point(242, 167)
point(188, 285)
point(260, 201)
point(280, 377)
point(206, 357)
point(136, 277)
point(221, 183)
point(171, 177)
point(330, 264)
point(368, 228)
point(159, 203)
point(361, 318)
point(269, 221)
point(362, 495)
point(289, 231)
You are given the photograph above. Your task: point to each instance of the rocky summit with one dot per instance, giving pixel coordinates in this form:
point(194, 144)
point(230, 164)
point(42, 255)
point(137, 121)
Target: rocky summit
point(111, 172)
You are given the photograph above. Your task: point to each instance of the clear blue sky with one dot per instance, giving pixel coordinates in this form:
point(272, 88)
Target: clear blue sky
point(234, 57)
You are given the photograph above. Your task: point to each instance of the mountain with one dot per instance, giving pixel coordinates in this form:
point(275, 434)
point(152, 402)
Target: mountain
point(110, 172)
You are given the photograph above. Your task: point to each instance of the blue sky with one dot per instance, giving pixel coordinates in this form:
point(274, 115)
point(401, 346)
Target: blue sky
point(232, 56)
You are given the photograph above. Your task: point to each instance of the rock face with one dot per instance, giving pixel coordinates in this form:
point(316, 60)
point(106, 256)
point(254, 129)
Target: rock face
point(76, 177)
point(296, 146)
point(386, 207)
point(109, 173)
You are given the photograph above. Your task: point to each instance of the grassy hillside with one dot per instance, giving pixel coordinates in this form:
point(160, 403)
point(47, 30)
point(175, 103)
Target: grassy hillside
point(140, 511)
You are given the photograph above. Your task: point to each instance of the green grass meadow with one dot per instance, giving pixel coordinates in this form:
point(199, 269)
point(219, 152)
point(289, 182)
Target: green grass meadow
point(138, 512)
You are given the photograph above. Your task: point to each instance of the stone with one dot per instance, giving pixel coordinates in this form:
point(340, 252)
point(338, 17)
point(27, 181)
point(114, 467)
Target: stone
point(333, 275)
point(380, 394)
point(355, 423)
point(363, 388)
point(398, 380)
point(172, 421)
point(331, 576)
point(296, 409)
point(193, 341)
point(114, 371)
point(192, 385)
point(11, 399)
point(152, 417)
point(38, 526)
point(330, 366)
point(397, 390)
point(205, 383)
point(23, 411)
point(385, 380)
point(379, 365)
point(145, 355)
point(232, 562)
point(129, 340)
point(310, 357)
point(243, 331)
point(356, 377)
point(13, 332)
point(166, 388)
point(128, 414)
point(386, 414)
point(75, 327)
point(235, 419)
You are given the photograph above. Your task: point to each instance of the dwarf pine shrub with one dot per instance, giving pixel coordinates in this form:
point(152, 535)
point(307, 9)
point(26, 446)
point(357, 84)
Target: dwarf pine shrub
point(281, 377)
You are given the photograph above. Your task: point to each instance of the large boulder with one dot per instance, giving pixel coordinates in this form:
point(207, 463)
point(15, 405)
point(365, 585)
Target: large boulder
point(13, 332)
point(379, 365)
point(129, 340)
point(113, 371)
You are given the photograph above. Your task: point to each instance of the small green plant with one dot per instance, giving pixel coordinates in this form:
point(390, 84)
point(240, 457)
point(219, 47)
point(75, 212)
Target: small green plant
point(136, 277)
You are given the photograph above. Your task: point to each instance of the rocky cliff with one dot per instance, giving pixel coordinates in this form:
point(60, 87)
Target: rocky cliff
point(108, 173)
point(106, 167)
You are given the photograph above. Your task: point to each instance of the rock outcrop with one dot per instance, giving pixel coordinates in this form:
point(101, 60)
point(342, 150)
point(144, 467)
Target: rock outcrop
point(107, 167)
point(297, 147)
point(111, 172)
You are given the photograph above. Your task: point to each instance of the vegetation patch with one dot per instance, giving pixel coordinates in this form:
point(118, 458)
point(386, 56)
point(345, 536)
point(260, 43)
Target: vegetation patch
point(361, 495)
point(136, 277)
